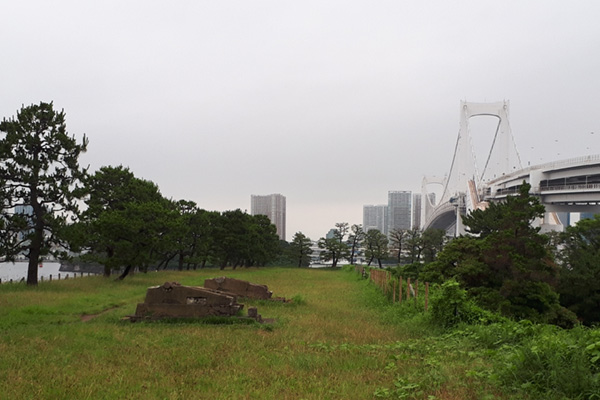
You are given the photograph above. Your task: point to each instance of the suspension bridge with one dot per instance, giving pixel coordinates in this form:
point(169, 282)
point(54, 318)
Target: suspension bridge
point(571, 185)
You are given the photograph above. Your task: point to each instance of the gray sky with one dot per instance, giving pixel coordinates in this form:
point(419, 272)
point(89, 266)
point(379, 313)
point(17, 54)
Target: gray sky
point(330, 103)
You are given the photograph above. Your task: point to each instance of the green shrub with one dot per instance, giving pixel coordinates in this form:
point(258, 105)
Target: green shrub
point(411, 271)
point(450, 306)
point(554, 362)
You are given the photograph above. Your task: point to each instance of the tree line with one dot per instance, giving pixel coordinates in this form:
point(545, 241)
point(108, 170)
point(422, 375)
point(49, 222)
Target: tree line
point(350, 242)
point(50, 205)
point(507, 266)
point(503, 261)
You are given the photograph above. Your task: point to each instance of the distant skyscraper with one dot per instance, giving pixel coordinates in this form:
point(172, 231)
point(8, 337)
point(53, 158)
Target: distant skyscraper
point(416, 211)
point(26, 210)
point(375, 217)
point(331, 233)
point(273, 206)
point(399, 210)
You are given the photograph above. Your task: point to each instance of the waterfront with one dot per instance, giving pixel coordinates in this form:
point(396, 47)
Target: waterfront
point(17, 271)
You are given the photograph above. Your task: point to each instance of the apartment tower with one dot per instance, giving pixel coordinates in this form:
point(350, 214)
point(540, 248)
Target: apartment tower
point(273, 206)
point(416, 211)
point(399, 210)
point(375, 217)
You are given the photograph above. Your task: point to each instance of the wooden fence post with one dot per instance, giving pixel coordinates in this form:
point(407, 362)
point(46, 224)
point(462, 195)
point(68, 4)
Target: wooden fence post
point(394, 293)
point(59, 276)
point(400, 291)
point(416, 291)
point(387, 282)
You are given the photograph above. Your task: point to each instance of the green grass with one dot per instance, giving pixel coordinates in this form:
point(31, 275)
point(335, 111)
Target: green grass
point(49, 352)
point(339, 339)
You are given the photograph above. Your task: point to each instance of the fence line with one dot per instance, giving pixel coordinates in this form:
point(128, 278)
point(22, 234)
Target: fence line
point(64, 277)
point(387, 283)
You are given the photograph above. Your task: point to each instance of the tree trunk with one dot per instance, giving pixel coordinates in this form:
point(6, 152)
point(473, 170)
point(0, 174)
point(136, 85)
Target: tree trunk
point(352, 252)
point(180, 262)
point(125, 273)
point(34, 256)
point(32, 268)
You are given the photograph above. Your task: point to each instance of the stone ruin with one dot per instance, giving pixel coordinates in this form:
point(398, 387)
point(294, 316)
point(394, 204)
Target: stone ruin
point(172, 300)
point(217, 298)
point(239, 288)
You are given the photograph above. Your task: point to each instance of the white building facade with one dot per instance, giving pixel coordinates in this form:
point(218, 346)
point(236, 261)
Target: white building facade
point(273, 206)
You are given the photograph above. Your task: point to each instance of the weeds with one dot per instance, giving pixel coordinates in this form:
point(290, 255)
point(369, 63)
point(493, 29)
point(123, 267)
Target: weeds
point(519, 359)
point(339, 338)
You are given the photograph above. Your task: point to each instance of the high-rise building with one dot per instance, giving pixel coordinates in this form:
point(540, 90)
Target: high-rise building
point(375, 217)
point(273, 206)
point(416, 211)
point(399, 210)
point(27, 211)
point(331, 234)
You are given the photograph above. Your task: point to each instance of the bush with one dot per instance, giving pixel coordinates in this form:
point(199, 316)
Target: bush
point(451, 306)
point(411, 271)
point(553, 362)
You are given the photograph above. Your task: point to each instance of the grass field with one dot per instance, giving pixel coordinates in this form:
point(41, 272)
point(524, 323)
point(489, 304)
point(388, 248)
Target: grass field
point(339, 339)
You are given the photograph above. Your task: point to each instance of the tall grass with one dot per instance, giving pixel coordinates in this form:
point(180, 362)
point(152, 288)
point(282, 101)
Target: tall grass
point(340, 339)
point(48, 351)
point(521, 359)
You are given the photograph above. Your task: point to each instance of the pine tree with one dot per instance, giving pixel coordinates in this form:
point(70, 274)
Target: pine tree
point(39, 184)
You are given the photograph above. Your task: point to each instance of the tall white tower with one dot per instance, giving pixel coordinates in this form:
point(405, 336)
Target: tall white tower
point(273, 206)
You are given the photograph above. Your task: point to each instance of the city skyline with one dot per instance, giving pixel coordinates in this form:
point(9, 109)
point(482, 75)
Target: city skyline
point(331, 103)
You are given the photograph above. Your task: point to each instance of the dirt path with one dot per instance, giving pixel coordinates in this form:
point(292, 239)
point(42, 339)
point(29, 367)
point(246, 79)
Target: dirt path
point(89, 317)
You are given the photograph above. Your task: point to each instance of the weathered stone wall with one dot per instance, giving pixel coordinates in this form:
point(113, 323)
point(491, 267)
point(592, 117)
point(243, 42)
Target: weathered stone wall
point(172, 300)
point(239, 288)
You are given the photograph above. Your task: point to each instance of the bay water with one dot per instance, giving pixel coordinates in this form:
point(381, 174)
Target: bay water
point(17, 271)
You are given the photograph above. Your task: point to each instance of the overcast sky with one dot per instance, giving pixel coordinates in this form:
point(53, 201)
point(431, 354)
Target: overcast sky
point(330, 103)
